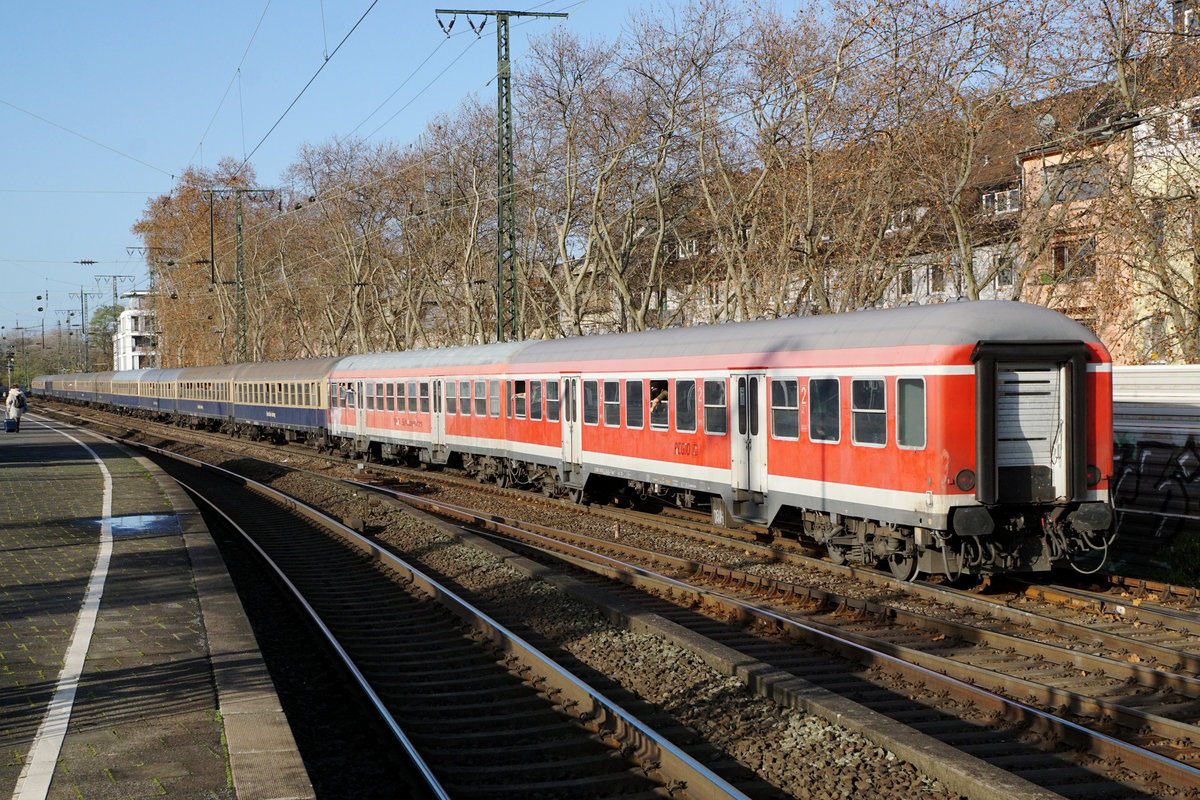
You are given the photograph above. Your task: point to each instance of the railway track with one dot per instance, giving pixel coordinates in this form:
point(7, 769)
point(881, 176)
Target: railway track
point(946, 679)
point(481, 712)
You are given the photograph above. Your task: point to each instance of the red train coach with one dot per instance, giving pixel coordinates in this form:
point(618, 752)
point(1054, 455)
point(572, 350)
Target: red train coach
point(956, 438)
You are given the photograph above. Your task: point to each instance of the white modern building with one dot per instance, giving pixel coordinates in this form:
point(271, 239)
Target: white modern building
point(135, 344)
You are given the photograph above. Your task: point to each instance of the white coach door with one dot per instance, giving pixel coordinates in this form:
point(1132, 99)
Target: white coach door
point(572, 427)
point(438, 422)
point(749, 436)
point(360, 413)
point(1030, 427)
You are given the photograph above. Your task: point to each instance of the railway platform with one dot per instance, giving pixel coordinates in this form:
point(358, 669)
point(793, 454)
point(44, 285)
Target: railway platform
point(127, 665)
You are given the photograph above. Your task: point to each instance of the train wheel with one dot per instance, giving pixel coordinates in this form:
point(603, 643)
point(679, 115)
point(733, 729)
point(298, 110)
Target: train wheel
point(837, 554)
point(903, 567)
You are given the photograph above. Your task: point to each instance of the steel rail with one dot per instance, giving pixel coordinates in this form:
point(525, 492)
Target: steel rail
point(677, 768)
point(913, 664)
point(360, 680)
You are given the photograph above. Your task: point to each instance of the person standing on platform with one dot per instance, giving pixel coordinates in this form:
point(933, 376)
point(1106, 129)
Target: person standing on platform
point(15, 405)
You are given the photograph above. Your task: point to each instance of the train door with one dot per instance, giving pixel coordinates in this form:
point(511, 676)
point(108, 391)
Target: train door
point(1030, 431)
point(749, 452)
point(1031, 414)
point(572, 427)
point(437, 430)
point(360, 418)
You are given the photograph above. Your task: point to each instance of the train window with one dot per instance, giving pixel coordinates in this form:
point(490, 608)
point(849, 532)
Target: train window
point(481, 398)
point(660, 413)
point(464, 398)
point(716, 414)
point(612, 404)
point(412, 397)
point(910, 412)
point(824, 410)
point(520, 399)
point(535, 399)
point(552, 401)
point(785, 409)
point(424, 397)
point(390, 391)
point(451, 397)
point(868, 411)
point(685, 406)
point(635, 412)
point(494, 398)
point(369, 390)
point(591, 403)
point(308, 395)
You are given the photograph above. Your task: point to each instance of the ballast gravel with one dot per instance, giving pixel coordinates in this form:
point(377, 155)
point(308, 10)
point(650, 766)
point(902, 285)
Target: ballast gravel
point(801, 754)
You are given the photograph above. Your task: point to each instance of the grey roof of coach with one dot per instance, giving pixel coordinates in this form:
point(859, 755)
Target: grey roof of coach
point(945, 324)
point(471, 356)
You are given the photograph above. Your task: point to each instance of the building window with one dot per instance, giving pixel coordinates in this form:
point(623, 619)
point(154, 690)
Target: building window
point(937, 278)
point(1068, 183)
point(1006, 270)
point(1004, 201)
point(1074, 261)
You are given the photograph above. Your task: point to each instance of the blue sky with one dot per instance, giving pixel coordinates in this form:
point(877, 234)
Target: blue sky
point(102, 104)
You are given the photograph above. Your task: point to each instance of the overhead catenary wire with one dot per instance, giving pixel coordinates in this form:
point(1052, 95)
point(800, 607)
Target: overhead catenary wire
point(320, 69)
point(236, 73)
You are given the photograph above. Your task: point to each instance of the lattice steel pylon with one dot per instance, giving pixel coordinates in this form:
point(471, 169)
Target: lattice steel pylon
point(506, 215)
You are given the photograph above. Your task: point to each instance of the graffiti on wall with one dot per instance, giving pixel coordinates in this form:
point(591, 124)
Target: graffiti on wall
point(1155, 487)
